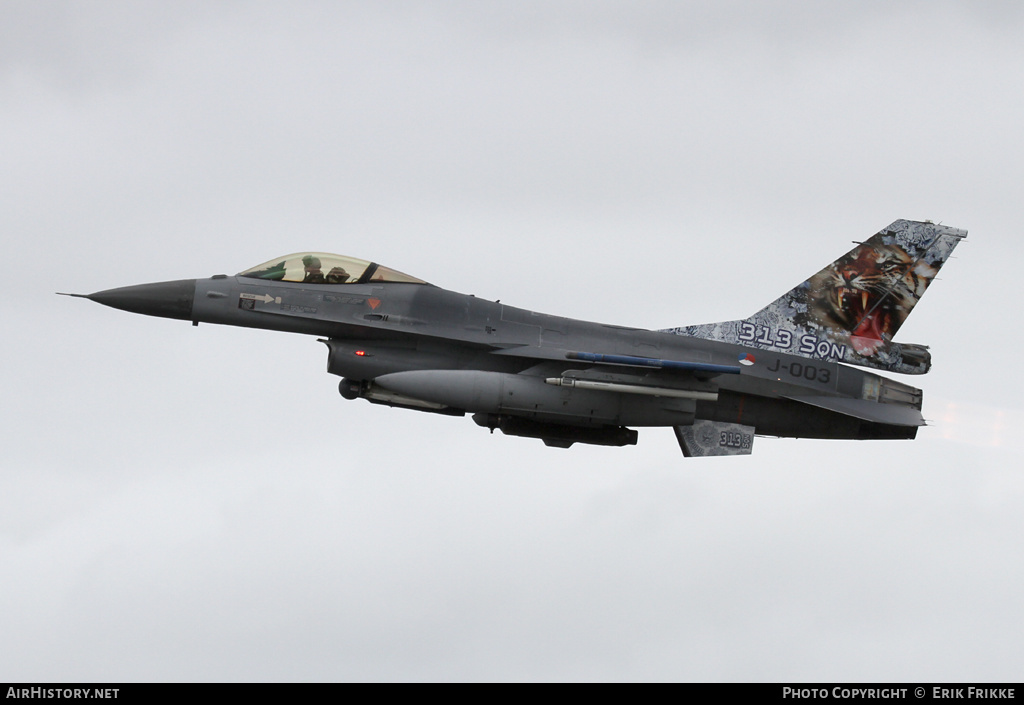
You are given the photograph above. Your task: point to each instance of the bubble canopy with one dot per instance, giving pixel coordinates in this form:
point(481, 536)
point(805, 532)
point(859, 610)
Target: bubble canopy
point(325, 268)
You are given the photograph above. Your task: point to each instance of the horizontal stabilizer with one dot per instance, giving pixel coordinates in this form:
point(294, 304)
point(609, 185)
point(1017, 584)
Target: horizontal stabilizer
point(708, 438)
point(896, 414)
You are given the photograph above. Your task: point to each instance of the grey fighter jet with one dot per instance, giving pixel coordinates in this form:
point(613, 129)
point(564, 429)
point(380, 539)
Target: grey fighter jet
point(785, 371)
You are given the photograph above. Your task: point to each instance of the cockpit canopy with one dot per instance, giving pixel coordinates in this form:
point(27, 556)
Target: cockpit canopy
point(324, 268)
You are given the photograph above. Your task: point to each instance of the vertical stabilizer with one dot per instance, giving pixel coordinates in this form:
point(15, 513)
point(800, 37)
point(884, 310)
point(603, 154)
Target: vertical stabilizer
point(851, 309)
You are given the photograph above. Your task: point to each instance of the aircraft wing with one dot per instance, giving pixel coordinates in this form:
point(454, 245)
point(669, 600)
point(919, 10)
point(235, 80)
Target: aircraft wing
point(629, 374)
point(552, 354)
point(623, 374)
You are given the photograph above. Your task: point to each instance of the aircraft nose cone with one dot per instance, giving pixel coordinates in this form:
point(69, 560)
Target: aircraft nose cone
point(166, 299)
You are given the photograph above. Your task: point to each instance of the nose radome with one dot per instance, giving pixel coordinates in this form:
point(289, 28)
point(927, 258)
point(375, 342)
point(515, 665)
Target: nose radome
point(166, 299)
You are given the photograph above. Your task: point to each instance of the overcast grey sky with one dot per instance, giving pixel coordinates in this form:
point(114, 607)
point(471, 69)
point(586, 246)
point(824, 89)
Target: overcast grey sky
point(182, 503)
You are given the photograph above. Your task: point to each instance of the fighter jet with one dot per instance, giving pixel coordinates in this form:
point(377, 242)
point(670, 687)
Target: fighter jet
point(793, 369)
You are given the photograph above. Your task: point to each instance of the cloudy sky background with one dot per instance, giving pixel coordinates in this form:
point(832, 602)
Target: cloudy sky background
point(182, 503)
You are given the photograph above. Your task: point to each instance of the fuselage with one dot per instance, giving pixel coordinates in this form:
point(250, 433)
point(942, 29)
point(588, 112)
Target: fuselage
point(797, 368)
point(421, 346)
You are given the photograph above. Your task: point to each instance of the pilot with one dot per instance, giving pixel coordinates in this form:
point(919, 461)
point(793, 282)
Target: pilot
point(313, 273)
point(338, 275)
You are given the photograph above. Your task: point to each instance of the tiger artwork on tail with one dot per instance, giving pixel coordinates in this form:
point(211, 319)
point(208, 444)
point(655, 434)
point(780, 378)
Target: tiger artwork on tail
point(851, 310)
point(869, 293)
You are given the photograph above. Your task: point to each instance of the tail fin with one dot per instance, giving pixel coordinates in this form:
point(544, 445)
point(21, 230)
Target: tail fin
point(851, 309)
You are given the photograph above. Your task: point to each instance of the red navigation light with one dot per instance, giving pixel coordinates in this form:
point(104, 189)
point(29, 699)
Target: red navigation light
point(361, 353)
